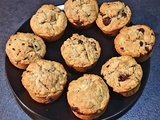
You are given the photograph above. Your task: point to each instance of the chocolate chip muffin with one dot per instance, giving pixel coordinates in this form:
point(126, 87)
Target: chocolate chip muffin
point(88, 96)
point(23, 48)
point(80, 52)
point(136, 41)
point(49, 22)
point(81, 13)
point(44, 80)
point(123, 74)
point(113, 16)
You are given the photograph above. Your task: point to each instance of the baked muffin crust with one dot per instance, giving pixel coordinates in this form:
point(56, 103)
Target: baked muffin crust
point(80, 52)
point(113, 16)
point(81, 13)
point(123, 74)
point(88, 96)
point(49, 22)
point(23, 48)
point(136, 41)
point(44, 80)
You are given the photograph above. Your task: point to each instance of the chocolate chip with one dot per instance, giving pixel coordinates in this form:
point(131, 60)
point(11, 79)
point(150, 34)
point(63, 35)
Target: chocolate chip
point(141, 43)
point(122, 48)
point(78, 22)
point(35, 46)
point(30, 46)
point(133, 65)
point(25, 58)
point(123, 77)
point(107, 66)
point(106, 21)
point(102, 14)
point(13, 49)
point(18, 52)
point(124, 14)
point(141, 30)
point(88, 15)
point(147, 49)
point(94, 44)
point(80, 42)
point(23, 43)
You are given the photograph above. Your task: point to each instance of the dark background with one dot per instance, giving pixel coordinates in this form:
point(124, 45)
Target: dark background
point(13, 13)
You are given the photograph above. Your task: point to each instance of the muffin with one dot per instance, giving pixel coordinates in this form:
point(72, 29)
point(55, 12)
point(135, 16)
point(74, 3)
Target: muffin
point(81, 13)
point(23, 48)
point(113, 16)
point(136, 41)
point(44, 80)
point(88, 96)
point(80, 52)
point(123, 74)
point(49, 22)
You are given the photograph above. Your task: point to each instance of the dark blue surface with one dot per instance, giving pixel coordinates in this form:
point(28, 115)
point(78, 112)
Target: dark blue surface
point(14, 13)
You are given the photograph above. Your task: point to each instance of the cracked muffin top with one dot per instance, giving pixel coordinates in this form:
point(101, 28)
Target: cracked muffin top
point(88, 96)
point(44, 80)
point(122, 73)
point(113, 16)
point(135, 41)
point(49, 22)
point(80, 51)
point(81, 13)
point(23, 48)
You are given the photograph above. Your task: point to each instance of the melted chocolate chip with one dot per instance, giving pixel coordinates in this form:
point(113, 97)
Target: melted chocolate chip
point(141, 43)
point(106, 21)
point(123, 77)
point(78, 22)
point(80, 42)
point(141, 30)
